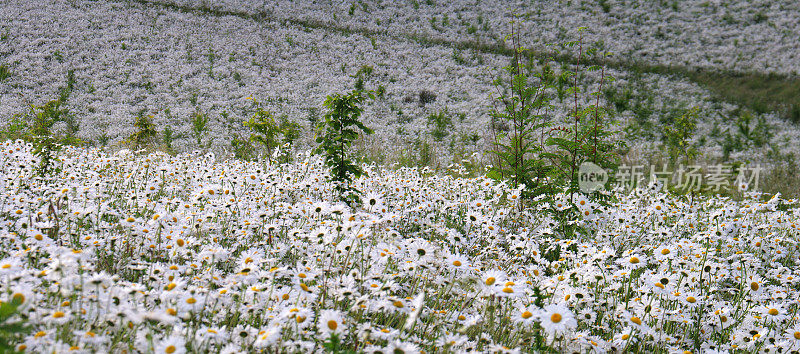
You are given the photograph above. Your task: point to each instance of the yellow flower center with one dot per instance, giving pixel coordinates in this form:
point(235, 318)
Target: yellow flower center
point(457, 263)
point(508, 290)
point(773, 312)
point(691, 299)
point(527, 314)
point(754, 286)
point(490, 280)
point(636, 320)
point(332, 325)
point(625, 337)
point(555, 318)
point(634, 260)
point(665, 251)
point(58, 314)
point(170, 349)
point(191, 301)
point(398, 304)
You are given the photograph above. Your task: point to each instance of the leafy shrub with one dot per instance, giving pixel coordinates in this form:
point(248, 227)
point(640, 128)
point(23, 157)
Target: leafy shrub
point(442, 124)
point(168, 137)
point(264, 130)
point(426, 97)
point(243, 149)
point(36, 127)
point(760, 17)
point(65, 91)
point(419, 155)
point(313, 118)
point(604, 5)
point(5, 72)
point(746, 135)
point(15, 129)
point(758, 135)
point(145, 134)
point(619, 100)
point(678, 136)
point(363, 74)
point(200, 129)
point(533, 152)
point(340, 128)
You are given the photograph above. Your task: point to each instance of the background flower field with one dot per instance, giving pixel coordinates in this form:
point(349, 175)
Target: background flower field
point(177, 59)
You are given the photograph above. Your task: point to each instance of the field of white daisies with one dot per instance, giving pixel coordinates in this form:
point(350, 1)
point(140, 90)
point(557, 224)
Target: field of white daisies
point(172, 254)
point(183, 246)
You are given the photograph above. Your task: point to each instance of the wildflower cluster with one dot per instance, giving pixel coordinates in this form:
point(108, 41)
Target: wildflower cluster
point(173, 254)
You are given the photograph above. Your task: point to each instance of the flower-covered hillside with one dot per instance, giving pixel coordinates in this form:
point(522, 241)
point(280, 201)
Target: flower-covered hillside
point(183, 253)
point(738, 35)
point(112, 61)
